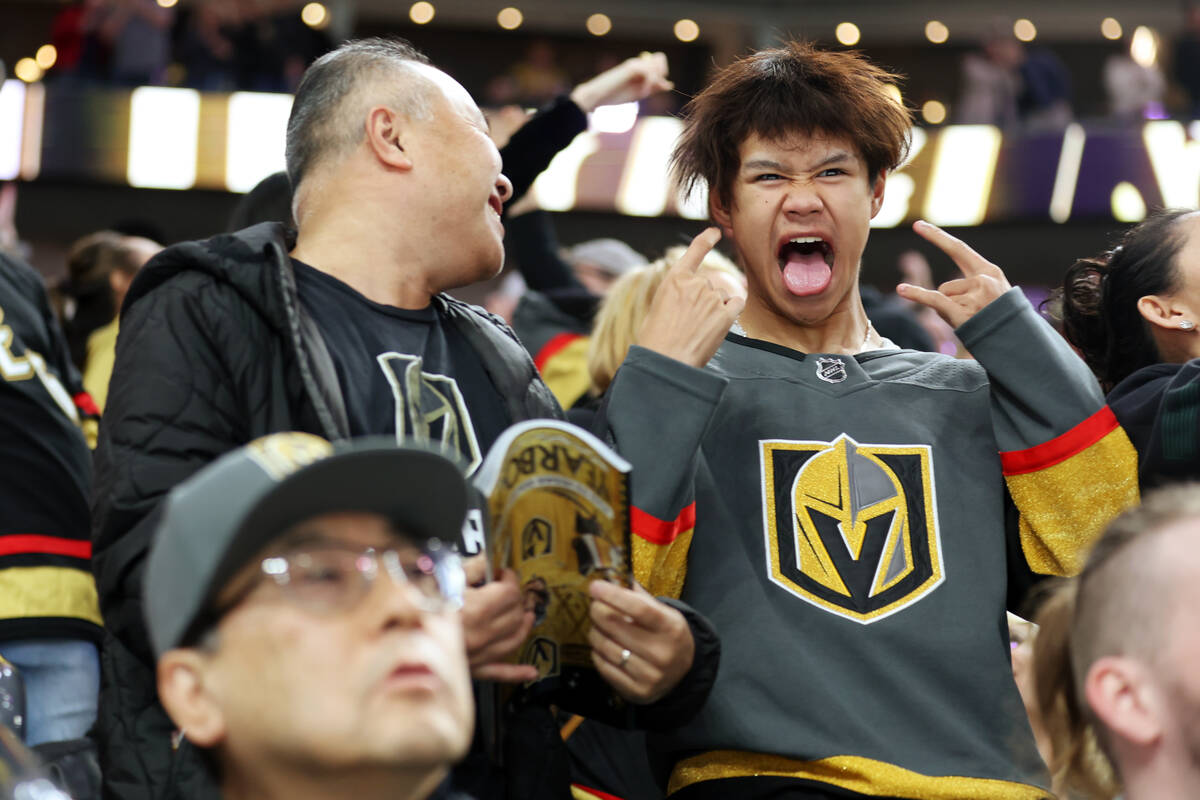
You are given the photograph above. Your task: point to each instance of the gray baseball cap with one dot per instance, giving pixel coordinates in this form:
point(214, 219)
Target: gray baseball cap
point(217, 520)
point(611, 255)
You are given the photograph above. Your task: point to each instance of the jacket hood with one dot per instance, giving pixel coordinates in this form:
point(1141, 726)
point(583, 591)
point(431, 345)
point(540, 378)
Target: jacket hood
point(246, 260)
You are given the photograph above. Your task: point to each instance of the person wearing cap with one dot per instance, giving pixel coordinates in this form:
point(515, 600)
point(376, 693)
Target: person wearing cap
point(303, 604)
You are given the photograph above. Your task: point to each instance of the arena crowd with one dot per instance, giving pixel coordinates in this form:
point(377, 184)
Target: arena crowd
point(937, 543)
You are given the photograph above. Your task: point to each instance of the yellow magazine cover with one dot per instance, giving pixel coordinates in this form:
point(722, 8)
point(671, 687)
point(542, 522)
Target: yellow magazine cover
point(558, 508)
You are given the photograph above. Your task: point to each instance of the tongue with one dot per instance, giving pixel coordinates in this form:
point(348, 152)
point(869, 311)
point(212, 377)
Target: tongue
point(806, 273)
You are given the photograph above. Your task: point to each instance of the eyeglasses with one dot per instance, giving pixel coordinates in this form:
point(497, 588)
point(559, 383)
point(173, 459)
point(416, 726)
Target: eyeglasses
point(329, 578)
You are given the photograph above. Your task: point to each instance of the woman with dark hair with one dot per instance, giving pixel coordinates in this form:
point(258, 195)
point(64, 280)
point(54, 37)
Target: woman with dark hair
point(100, 267)
point(1133, 314)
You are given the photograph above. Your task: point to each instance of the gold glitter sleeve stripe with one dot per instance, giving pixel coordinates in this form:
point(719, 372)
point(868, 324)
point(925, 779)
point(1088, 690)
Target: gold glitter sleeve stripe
point(855, 773)
point(661, 568)
point(1064, 507)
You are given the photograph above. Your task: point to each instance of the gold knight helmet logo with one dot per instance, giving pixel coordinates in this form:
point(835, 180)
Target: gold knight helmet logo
point(851, 528)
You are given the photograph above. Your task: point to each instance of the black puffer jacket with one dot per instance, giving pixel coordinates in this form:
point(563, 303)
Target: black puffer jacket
point(214, 351)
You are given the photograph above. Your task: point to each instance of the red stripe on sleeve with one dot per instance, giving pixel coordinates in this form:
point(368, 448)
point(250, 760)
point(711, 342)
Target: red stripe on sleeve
point(661, 531)
point(85, 403)
point(19, 543)
point(1060, 448)
point(595, 792)
point(551, 348)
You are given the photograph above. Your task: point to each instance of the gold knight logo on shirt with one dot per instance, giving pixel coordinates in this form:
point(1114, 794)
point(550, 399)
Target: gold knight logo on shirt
point(851, 528)
point(430, 408)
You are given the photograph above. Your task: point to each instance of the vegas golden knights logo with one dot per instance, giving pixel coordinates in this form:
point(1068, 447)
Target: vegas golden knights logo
point(851, 528)
point(430, 408)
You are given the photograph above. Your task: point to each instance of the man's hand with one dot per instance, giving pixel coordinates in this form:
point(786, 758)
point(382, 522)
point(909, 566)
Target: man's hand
point(495, 623)
point(958, 300)
point(690, 315)
point(642, 647)
point(633, 79)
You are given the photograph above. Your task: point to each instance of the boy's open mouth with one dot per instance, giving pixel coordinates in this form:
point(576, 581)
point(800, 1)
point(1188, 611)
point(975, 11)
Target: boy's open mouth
point(807, 265)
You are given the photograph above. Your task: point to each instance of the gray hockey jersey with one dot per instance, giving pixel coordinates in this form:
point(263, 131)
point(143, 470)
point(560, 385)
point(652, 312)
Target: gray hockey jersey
point(842, 522)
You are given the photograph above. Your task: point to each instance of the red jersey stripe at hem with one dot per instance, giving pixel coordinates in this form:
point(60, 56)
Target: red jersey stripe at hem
point(21, 543)
point(596, 792)
point(1060, 448)
point(552, 347)
point(661, 531)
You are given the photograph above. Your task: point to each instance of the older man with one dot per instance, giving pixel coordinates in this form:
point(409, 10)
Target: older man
point(303, 604)
point(342, 330)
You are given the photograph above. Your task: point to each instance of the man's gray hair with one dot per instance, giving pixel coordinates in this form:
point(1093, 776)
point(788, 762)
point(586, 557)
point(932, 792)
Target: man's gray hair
point(338, 89)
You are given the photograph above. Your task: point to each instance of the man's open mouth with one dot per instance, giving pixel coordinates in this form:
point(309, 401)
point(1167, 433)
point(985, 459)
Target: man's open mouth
point(807, 265)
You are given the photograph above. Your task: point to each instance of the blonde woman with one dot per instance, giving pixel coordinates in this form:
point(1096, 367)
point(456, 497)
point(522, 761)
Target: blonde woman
point(625, 306)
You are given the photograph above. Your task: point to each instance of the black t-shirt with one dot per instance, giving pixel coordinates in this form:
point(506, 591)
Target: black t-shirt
point(411, 373)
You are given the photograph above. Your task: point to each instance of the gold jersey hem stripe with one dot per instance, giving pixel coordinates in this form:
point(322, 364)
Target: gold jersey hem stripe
point(855, 773)
point(48, 592)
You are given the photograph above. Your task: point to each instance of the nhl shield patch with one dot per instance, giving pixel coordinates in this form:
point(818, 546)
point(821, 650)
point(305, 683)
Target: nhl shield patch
point(851, 528)
point(831, 370)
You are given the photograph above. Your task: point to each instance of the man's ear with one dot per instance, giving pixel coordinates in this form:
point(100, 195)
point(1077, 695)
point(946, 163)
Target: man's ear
point(387, 136)
point(719, 213)
point(1165, 311)
point(877, 192)
point(1124, 696)
point(185, 691)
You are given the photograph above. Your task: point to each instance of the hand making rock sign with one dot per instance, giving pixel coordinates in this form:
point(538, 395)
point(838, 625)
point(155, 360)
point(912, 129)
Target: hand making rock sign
point(958, 300)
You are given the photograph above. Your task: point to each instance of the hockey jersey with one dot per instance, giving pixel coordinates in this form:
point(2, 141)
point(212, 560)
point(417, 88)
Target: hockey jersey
point(845, 523)
point(46, 419)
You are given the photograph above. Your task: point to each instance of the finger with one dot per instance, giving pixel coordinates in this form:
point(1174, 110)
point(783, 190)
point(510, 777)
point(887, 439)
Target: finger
point(505, 673)
point(503, 647)
point(638, 668)
point(640, 609)
point(970, 262)
point(700, 247)
point(956, 287)
point(734, 306)
point(508, 576)
point(926, 297)
point(626, 686)
point(475, 569)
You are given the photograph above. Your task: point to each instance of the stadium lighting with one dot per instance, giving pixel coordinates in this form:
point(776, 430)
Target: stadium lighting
point(1127, 203)
point(28, 70)
point(421, 12)
point(847, 33)
point(164, 131)
point(256, 129)
point(12, 120)
point(510, 18)
point(936, 31)
point(1143, 46)
point(960, 181)
point(555, 188)
point(645, 182)
point(599, 24)
point(1110, 29)
point(617, 118)
point(47, 56)
point(687, 30)
point(933, 112)
point(1024, 30)
point(315, 15)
